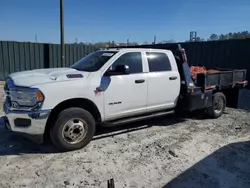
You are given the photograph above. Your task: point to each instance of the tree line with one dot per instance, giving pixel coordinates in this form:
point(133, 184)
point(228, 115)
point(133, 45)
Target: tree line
point(228, 36)
point(213, 37)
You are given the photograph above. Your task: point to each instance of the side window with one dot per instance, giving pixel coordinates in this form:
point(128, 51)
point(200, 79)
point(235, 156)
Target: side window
point(132, 59)
point(158, 62)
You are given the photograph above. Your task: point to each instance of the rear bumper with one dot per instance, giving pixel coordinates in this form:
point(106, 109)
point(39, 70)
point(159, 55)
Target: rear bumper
point(28, 123)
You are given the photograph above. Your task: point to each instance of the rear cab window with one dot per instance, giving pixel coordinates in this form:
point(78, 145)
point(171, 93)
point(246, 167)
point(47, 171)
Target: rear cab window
point(158, 62)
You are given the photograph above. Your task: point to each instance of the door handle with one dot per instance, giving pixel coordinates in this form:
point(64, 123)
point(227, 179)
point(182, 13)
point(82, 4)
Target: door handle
point(139, 81)
point(173, 78)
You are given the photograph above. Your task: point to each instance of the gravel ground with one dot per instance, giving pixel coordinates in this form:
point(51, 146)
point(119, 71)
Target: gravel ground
point(165, 152)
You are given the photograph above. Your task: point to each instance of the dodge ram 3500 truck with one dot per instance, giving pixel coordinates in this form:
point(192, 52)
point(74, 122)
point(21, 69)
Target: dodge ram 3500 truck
point(110, 87)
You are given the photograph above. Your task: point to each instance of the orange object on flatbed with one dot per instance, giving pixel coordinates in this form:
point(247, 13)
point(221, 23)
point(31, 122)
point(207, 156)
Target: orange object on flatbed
point(196, 70)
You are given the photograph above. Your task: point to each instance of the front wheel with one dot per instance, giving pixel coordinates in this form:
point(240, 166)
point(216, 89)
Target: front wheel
point(218, 105)
point(74, 129)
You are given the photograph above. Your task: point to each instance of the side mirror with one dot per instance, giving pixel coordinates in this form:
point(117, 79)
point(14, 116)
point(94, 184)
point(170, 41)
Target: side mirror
point(119, 70)
point(123, 69)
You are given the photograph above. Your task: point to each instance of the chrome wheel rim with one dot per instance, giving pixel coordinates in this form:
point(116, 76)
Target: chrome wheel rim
point(74, 131)
point(218, 105)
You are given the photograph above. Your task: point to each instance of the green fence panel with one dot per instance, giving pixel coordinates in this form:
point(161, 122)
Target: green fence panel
point(57, 55)
point(2, 74)
point(22, 56)
point(27, 56)
point(79, 51)
point(71, 54)
point(59, 58)
point(74, 52)
point(84, 50)
point(53, 55)
point(6, 62)
point(50, 56)
point(11, 57)
point(67, 57)
point(41, 56)
point(16, 57)
point(36, 56)
point(32, 56)
point(87, 49)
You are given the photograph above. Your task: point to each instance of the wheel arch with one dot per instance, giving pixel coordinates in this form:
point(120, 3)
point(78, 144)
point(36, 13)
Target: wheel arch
point(84, 103)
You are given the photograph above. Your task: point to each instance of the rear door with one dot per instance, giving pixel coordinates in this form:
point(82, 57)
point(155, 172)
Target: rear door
point(163, 80)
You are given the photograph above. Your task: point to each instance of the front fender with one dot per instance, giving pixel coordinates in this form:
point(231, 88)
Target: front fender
point(56, 93)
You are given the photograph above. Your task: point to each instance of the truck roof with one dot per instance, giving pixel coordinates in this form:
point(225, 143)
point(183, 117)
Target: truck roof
point(136, 49)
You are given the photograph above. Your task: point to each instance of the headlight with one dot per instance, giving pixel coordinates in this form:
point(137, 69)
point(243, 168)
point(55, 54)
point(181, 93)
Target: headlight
point(26, 98)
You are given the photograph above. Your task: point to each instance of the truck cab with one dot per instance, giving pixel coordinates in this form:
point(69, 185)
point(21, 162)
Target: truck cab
point(138, 81)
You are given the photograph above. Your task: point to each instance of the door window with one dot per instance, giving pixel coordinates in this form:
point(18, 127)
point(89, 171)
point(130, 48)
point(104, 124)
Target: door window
point(132, 59)
point(158, 62)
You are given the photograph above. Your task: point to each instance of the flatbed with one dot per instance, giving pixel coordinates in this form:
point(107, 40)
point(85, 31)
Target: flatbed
point(221, 78)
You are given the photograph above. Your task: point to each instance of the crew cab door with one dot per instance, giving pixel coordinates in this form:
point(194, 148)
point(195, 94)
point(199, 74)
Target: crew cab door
point(163, 80)
point(126, 94)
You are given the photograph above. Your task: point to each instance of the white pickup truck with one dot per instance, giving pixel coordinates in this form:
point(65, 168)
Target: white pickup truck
point(106, 88)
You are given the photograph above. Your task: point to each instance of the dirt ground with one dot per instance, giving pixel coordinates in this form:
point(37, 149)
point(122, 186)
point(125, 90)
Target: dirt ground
point(167, 152)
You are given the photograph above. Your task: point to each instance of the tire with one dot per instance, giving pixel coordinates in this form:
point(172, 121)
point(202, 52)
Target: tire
point(73, 129)
point(218, 105)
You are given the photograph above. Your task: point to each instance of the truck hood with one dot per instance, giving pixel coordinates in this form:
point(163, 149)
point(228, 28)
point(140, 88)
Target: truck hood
point(42, 76)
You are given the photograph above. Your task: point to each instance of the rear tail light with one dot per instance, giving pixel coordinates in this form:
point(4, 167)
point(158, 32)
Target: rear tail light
point(184, 56)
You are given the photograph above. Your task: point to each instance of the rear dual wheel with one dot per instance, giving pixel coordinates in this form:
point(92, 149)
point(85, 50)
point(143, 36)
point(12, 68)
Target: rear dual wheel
point(218, 105)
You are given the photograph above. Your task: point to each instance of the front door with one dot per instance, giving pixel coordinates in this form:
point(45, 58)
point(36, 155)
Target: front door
point(126, 95)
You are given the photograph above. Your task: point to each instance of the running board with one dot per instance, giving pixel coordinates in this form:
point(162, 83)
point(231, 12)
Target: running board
point(136, 118)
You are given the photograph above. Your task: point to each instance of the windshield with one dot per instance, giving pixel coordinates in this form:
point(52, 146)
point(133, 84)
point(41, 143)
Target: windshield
point(94, 61)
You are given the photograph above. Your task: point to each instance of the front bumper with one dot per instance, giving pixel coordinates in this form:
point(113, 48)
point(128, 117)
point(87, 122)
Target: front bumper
point(29, 123)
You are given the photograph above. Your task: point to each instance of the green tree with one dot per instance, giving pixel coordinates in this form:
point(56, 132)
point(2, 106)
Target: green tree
point(230, 36)
point(222, 37)
point(213, 37)
point(198, 39)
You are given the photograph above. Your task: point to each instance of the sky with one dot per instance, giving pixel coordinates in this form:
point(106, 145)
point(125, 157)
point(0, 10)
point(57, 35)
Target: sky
point(119, 20)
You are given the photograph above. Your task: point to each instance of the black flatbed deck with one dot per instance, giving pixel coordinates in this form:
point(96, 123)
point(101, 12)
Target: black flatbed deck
point(222, 79)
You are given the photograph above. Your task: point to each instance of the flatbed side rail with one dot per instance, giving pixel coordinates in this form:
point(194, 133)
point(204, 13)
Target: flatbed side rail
point(222, 79)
